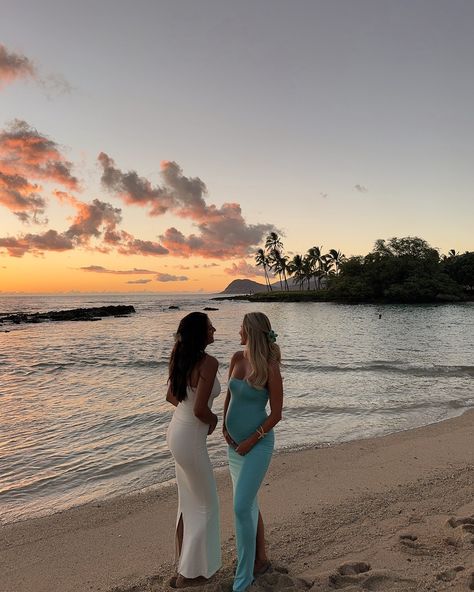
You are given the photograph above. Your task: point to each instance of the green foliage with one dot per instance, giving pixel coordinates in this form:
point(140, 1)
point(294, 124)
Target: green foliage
point(460, 268)
point(398, 270)
point(402, 270)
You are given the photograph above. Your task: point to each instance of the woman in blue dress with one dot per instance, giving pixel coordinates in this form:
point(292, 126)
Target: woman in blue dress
point(254, 381)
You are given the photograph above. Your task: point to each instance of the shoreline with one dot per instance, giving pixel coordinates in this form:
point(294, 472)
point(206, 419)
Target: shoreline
point(320, 296)
point(410, 480)
point(221, 465)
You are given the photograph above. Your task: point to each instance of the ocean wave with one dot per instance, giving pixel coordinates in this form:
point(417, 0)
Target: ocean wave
point(433, 370)
point(52, 367)
point(384, 408)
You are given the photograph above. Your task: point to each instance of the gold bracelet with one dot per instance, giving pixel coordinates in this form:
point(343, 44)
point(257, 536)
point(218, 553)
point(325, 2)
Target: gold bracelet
point(261, 432)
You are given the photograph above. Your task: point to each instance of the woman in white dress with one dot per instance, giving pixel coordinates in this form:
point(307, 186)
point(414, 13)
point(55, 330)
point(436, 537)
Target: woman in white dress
point(192, 387)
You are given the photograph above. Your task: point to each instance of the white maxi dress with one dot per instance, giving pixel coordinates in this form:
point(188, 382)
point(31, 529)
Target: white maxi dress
point(198, 504)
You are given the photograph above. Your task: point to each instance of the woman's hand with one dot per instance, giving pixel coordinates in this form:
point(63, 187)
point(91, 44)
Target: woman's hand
point(245, 447)
point(228, 439)
point(212, 426)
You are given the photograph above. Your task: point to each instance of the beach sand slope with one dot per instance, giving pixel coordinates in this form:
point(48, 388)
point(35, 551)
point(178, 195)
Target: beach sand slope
point(394, 514)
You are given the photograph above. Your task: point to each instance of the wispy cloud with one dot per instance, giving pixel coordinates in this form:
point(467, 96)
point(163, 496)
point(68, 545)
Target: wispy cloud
point(361, 188)
point(134, 271)
point(143, 281)
point(14, 66)
point(167, 277)
point(244, 268)
point(206, 266)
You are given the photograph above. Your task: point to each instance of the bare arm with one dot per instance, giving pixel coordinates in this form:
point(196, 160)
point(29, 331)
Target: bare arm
point(171, 398)
point(275, 391)
point(207, 375)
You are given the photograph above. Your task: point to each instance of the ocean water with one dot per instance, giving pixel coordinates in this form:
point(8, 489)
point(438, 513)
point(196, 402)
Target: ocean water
point(83, 411)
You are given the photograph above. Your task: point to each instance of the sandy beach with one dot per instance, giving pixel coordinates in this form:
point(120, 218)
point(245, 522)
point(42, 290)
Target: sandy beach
point(393, 513)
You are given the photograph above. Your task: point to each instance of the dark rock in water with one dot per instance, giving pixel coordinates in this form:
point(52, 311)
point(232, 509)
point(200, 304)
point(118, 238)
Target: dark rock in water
point(173, 307)
point(209, 308)
point(75, 314)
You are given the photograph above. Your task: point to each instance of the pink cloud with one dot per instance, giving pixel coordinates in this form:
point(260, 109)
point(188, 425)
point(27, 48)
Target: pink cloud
point(243, 268)
point(25, 154)
point(222, 232)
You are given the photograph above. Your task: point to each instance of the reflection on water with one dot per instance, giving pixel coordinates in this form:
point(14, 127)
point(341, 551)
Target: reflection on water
point(83, 410)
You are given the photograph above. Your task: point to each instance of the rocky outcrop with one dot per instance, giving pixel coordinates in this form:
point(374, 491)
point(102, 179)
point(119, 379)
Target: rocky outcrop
point(75, 314)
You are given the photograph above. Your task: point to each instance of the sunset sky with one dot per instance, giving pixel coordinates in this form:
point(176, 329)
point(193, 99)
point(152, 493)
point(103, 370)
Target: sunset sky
point(152, 145)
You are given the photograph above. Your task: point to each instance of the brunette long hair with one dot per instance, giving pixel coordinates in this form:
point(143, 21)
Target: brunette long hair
point(191, 341)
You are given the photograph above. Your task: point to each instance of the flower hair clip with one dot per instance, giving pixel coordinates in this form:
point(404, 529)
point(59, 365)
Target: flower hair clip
point(272, 336)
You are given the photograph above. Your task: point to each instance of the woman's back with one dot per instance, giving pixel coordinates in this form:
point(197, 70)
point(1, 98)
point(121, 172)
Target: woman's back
point(184, 412)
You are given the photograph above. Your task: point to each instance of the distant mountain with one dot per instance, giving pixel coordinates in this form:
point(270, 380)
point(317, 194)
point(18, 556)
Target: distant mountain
point(251, 287)
point(244, 287)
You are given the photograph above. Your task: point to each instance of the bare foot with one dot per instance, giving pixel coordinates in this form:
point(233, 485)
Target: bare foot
point(180, 581)
point(260, 567)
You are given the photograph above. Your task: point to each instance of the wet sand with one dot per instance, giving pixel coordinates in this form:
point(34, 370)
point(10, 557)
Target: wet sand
point(394, 513)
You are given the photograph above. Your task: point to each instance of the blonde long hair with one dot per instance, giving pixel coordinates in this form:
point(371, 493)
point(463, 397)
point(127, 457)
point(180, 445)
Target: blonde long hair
point(261, 350)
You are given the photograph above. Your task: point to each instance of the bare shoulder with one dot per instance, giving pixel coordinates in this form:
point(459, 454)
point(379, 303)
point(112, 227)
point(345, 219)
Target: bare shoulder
point(209, 363)
point(239, 355)
point(274, 369)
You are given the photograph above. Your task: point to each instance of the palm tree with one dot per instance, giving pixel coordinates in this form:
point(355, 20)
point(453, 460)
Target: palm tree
point(295, 268)
point(279, 265)
point(262, 259)
point(307, 271)
point(272, 242)
point(337, 258)
point(284, 270)
point(326, 268)
point(315, 259)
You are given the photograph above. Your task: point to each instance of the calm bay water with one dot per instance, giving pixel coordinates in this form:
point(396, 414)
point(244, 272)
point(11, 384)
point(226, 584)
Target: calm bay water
point(83, 411)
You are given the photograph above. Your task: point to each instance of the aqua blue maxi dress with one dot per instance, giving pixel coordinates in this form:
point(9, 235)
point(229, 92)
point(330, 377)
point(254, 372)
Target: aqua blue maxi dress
point(246, 412)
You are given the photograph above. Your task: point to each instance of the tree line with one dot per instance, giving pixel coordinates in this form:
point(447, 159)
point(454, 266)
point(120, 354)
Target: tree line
point(314, 266)
point(396, 270)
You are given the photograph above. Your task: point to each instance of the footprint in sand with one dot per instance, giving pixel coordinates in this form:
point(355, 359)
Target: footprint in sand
point(359, 576)
point(411, 544)
point(276, 580)
point(409, 540)
point(466, 523)
point(449, 574)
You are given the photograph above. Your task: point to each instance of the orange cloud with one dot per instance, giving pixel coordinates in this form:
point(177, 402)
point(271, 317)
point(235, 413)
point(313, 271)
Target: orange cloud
point(25, 154)
point(14, 66)
point(24, 151)
point(93, 219)
point(20, 196)
point(36, 243)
